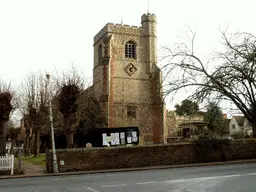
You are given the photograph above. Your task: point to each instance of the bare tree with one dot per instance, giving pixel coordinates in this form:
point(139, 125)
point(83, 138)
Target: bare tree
point(42, 120)
point(34, 96)
point(27, 107)
point(6, 107)
point(229, 76)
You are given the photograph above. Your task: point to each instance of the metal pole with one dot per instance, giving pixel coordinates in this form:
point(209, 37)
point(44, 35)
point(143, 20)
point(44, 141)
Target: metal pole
point(163, 122)
point(55, 163)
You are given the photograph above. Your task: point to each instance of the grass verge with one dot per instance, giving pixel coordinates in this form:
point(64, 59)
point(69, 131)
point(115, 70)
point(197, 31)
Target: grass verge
point(39, 160)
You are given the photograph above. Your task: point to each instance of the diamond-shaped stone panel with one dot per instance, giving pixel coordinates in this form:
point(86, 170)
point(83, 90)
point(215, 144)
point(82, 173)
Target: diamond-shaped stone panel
point(130, 69)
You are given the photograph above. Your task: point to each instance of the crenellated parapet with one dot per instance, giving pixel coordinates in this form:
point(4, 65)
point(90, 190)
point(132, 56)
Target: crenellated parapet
point(149, 17)
point(117, 28)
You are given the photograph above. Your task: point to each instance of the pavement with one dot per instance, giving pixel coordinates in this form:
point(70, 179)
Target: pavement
point(229, 177)
point(42, 173)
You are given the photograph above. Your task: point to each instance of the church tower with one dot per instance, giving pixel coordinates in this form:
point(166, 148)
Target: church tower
point(126, 78)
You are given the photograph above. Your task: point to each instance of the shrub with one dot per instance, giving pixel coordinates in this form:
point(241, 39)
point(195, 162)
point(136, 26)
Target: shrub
point(205, 145)
point(238, 136)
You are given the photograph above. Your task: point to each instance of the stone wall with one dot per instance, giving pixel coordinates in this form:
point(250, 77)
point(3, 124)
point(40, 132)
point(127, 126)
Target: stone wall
point(141, 156)
point(171, 124)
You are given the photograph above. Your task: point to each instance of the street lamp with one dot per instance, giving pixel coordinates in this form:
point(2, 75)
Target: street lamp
point(55, 163)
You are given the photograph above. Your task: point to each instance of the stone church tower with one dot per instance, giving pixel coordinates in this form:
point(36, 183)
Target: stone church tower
point(126, 79)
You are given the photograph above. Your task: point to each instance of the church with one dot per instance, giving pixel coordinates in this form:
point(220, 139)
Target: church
point(127, 80)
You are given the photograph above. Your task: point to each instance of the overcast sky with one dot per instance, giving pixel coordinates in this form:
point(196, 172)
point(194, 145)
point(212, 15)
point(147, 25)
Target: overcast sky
point(47, 34)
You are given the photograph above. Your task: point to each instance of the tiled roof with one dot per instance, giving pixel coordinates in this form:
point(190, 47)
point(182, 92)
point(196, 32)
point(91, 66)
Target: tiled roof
point(239, 120)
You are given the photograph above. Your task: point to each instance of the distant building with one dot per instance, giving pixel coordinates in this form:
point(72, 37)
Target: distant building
point(239, 125)
point(185, 126)
point(192, 126)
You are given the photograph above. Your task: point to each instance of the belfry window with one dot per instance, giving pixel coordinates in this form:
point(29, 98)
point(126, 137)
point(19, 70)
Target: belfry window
point(130, 50)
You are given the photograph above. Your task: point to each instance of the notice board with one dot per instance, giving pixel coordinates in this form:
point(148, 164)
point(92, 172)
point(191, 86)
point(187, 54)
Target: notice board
point(121, 136)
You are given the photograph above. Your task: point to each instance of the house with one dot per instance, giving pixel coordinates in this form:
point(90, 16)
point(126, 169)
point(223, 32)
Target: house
point(236, 125)
point(16, 136)
point(239, 125)
point(247, 128)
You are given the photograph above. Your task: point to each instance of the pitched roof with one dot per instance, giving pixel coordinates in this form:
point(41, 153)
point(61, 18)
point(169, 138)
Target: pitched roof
point(239, 120)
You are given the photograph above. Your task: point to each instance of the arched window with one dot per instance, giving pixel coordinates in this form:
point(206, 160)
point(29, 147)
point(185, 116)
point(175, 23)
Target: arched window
point(130, 50)
point(100, 52)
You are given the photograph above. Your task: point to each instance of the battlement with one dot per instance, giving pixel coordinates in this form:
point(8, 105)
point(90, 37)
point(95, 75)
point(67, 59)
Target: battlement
point(149, 17)
point(124, 28)
point(109, 27)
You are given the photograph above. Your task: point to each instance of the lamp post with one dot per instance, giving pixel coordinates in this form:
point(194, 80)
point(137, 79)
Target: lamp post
point(55, 163)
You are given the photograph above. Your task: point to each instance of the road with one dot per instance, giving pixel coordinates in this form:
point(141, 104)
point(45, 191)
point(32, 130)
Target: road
point(226, 178)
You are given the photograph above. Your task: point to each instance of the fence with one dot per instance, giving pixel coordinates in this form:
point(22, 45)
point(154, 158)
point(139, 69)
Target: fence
point(7, 163)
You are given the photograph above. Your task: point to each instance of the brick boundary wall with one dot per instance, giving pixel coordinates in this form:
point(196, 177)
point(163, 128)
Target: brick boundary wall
point(142, 156)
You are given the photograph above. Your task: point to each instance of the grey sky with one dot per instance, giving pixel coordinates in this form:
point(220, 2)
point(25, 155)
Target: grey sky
point(47, 34)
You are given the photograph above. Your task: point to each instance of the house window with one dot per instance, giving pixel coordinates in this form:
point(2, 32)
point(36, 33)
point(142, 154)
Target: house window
point(233, 126)
point(131, 112)
point(130, 50)
point(100, 52)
